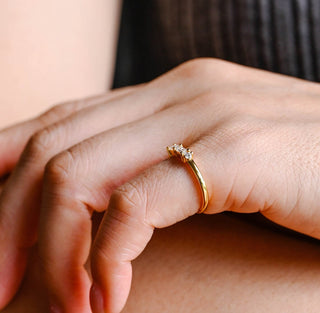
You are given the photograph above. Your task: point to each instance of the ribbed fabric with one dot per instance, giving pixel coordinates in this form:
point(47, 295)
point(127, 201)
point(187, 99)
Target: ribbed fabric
point(277, 35)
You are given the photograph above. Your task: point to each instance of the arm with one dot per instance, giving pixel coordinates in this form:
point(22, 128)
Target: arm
point(51, 51)
point(214, 264)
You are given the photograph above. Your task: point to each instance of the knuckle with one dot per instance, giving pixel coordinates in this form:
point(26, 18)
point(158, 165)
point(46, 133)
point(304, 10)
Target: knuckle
point(206, 68)
point(197, 67)
point(129, 198)
point(60, 168)
point(58, 112)
point(39, 144)
point(126, 209)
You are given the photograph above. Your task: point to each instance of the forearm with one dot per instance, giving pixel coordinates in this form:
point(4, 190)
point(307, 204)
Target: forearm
point(51, 51)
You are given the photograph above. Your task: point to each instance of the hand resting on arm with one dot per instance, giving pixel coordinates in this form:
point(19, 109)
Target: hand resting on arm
point(255, 138)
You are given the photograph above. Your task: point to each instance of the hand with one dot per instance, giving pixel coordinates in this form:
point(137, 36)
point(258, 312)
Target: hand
point(13, 141)
point(255, 138)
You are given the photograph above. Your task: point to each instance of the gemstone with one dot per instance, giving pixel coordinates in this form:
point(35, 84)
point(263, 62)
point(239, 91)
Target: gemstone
point(180, 151)
point(180, 148)
point(188, 156)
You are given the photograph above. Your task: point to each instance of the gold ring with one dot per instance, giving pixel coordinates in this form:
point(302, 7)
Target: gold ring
point(186, 156)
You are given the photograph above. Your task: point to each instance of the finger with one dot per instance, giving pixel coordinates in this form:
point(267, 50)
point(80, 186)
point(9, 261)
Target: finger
point(82, 179)
point(14, 138)
point(24, 183)
point(18, 206)
point(47, 143)
point(163, 195)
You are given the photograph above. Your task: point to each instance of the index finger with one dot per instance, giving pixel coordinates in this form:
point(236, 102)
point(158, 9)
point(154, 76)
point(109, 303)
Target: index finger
point(19, 199)
point(14, 138)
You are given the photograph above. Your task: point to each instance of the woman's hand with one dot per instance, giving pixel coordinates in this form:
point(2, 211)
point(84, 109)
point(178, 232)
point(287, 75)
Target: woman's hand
point(255, 137)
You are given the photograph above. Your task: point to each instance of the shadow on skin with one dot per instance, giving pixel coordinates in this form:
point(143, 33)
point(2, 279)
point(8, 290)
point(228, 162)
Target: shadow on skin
point(220, 263)
point(226, 264)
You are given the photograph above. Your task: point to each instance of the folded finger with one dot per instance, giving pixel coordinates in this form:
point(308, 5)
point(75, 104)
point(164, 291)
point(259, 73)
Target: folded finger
point(82, 180)
point(19, 197)
point(25, 184)
point(21, 193)
point(163, 195)
point(13, 139)
point(170, 192)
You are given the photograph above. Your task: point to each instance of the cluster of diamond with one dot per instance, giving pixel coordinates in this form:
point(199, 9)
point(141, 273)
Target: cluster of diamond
point(180, 151)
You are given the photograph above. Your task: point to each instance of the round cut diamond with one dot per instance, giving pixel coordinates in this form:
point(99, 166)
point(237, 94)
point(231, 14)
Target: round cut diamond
point(188, 156)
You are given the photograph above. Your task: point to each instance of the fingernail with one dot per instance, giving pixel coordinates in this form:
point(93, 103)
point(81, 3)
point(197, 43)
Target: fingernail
point(96, 299)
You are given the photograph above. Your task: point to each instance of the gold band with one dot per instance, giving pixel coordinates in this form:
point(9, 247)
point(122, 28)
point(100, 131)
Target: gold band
point(186, 156)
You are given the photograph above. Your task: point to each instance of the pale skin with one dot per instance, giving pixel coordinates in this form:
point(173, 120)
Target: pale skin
point(262, 128)
point(54, 51)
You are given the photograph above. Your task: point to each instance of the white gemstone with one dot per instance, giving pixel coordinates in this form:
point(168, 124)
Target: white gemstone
point(180, 149)
point(188, 156)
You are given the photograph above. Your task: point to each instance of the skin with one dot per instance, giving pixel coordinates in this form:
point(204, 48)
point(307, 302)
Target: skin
point(51, 52)
point(215, 263)
point(255, 138)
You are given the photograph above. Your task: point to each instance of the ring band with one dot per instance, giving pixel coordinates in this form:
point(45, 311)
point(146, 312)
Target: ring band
point(186, 156)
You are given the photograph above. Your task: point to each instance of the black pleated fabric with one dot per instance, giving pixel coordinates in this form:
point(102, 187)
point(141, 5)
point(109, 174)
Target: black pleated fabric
point(278, 35)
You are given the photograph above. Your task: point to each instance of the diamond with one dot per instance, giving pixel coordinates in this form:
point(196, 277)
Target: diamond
point(188, 156)
point(179, 148)
point(180, 151)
